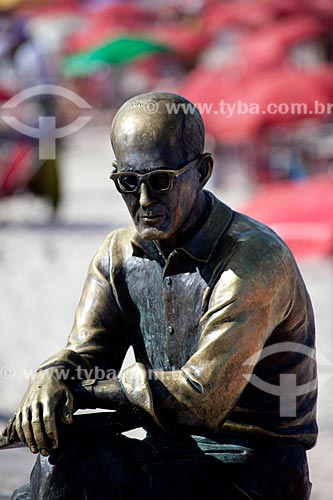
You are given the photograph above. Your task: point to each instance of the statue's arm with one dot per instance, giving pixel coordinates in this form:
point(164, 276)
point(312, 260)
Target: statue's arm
point(98, 341)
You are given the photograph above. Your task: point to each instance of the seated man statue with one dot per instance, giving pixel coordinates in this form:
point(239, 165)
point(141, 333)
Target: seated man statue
point(222, 329)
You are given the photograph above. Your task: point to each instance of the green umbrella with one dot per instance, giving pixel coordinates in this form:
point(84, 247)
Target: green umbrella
point(117, 51)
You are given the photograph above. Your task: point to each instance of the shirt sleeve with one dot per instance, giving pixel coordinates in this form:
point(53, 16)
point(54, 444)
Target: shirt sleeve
point(250, 298)
point(98, 339)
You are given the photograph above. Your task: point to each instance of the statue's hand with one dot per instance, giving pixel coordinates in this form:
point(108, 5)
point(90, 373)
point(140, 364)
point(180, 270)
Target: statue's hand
point(47, 398)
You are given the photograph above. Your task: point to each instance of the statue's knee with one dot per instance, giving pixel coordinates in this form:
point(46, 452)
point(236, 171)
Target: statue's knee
point(48, 481)
point(40, 471)
point(22, 493)
point(41, 468)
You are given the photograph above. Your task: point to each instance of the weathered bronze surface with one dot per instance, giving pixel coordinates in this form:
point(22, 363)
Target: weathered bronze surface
point(208, 298)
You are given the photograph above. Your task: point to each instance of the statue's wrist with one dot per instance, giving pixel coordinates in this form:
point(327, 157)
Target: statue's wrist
point(83, 394)
point(107, 394)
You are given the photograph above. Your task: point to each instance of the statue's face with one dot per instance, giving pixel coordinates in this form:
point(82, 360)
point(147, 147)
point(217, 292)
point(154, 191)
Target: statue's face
point(146, 144)
point(159, 215)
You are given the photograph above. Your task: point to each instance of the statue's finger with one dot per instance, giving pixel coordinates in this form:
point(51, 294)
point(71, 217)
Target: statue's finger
point(27, 429)
point(9, 427)
point(50, 425)
point(19, 428)
point(12, 434)
point(38, 430)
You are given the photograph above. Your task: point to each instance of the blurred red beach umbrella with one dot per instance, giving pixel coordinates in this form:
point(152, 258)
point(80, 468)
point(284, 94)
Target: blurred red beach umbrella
point(283, 96)
point(90, 35)
point(301, 212)
point(218, 15)
point(324, 8)
point(238, 110)
point(254, 14)
point(5, 95)
point(50, 8)
point(273, 41)
point(120, 12)
point(185, 39)
point(108, 22)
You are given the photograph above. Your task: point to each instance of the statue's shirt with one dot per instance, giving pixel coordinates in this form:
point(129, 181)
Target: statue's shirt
point(222, 330)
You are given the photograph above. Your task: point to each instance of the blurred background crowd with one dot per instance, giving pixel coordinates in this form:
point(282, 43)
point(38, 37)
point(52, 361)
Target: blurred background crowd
point(233, 59)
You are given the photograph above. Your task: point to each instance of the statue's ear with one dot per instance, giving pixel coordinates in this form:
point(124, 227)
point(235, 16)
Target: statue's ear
point(205, 168)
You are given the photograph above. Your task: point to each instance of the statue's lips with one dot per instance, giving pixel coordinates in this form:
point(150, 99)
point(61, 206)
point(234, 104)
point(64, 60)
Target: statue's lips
point(152, 219)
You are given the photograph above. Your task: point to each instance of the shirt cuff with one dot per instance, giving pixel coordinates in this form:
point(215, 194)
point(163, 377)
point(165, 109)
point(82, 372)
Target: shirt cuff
point(135, 384)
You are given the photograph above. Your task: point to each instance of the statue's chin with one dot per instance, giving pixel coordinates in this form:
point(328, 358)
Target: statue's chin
point(152, 233)
point(155, 229)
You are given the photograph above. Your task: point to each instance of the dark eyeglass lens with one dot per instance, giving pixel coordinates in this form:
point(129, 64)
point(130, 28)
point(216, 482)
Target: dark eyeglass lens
point(159, 182)
point(128, 182)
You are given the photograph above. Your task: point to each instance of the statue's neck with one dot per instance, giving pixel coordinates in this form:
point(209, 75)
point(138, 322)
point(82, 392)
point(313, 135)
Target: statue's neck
point(190, 227)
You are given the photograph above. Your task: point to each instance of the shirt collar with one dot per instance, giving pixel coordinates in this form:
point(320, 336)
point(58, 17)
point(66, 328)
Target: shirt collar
point(203, 243)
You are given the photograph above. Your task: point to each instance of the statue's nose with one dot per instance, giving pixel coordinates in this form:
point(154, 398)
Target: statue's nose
point(146, 198)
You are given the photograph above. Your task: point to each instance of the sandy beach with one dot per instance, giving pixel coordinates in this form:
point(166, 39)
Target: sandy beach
point(42, 270)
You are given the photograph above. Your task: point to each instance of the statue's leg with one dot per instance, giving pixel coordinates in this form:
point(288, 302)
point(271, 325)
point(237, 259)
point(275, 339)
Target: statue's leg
point(22, 493)
point(100, 467)
point(181, 471)
point(115, 467)
point(48, 481)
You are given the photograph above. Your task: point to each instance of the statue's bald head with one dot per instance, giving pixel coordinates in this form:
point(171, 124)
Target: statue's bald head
point(158, 125)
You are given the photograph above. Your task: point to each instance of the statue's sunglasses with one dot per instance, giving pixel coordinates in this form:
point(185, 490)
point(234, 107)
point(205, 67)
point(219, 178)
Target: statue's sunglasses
point(158, 181)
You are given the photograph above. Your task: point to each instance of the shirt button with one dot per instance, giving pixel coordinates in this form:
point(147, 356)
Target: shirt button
point(170, 330)
point(168, 281)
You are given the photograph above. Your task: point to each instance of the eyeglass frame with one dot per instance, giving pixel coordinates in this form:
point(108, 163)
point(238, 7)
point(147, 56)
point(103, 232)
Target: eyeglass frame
point(172, 175)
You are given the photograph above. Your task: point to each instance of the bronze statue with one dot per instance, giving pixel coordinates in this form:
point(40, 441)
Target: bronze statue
point(222, 329)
